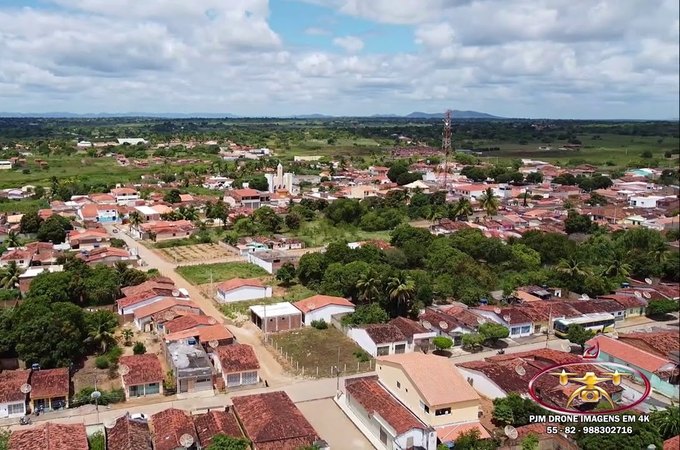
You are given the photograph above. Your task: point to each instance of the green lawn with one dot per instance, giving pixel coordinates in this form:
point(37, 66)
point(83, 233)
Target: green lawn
point(200, 274)
point(22, 206)
point(320, 232)
point(314, 349)
point(293, 294)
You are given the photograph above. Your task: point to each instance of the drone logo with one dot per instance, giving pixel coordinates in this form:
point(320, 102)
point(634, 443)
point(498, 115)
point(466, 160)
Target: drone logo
point(590, 392)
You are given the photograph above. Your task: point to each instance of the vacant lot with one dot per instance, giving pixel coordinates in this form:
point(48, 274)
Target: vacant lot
point(196, 252)
point(315, 353)
point(200, 274)
point(238, 311)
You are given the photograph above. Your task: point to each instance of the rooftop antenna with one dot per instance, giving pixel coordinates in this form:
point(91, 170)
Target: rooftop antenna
point(446, 147)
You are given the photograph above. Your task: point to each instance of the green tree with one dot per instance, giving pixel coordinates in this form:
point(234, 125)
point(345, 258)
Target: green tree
point(267, 218)
point(56, 286)
point(139, 348)
point(12, 240)
point(135, 219)
point(293, 221)
point(9, 276)
point(442, 342)
point(573, 268)
point(311, 269)
point(127, 334)
point(578, 223)
point(101, 326)
point(462, 209)
point(4, 439)
point(286, 274)
point(643, 435)
point(397, 169)
point(576, 334)
point(30, 223)
point(223, 442)
point(530, 442)
point(366, 314)
point(472, 340)
point(502, 414)
point(534, 177)
point(492, 332)
point(489, 202)
point(515, 410)
point(102, 285)
point(97, 441)
point(54, 229)
point(259, 183)
point(368, 286)
point(172, 196)
point(666, 421)
point(401, 289)
point(660, 307)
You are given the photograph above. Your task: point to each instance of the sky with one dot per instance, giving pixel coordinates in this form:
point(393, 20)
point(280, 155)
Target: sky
point(580, 59)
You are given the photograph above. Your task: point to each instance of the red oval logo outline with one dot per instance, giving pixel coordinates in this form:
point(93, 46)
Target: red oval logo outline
point(534, 397)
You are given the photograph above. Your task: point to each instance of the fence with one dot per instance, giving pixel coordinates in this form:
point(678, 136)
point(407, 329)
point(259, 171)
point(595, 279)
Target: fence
point(314, 370)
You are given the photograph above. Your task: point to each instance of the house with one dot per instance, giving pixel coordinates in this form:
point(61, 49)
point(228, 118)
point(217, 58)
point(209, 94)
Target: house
point(12, 399)
point(185, 322)
point(148, 213)
point(88, 239)
point(50, 389)
point(597, 306)
point(161, 230)
point(379, 339)
point(142, 375)
point(518, 323)
point(202, 334)
point(125, 196)
point(662, 372)
point(129, 434)
point(389, 424)
point(132, 141)
point(270, 261)
point(50, 436)
point(239, 289)
point(108, 256)
point(169, 426)
point(100, 213)
point(246, 198)
point(645, 201)
point(237, 363)
point(452, 322)
point(216, 422)
point(276, 317)
point(272, 422)
point(418, 337)
point(672, 443)
point(147, 293)
point(150, 317)
point(633, 306)
point(190, 366)
point(323, 307)
point(29, 275)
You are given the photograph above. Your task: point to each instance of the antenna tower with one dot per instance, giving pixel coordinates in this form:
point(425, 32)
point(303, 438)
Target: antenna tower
point(446, 147)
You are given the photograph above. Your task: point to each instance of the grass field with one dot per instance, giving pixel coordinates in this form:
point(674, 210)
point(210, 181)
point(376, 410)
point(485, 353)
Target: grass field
point(320, 232)
point(310, 350)
point(200, 274)
point(197, 252)
point(22, 206)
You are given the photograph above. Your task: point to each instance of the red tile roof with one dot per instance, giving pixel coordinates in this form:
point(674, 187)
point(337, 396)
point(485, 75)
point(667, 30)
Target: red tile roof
point(384, 333)
point(672, 443)
point(188, 321)
point(50, 383)
point(236, 283)
point(460, 316)
point(129, 434)
point(216, 422)
point(143, 369)
point(628, 353)
point(370, 394)
point(660, 343)
point(451, 432)
point(162, 305)
point(321, 301)
point(51, 436)
point(273, 422)
point(237, 358)
point(246, 192)
point(408, 327)
point(217, 332)
point(10, 384)
point(627, 301)
point(596, 306)
point(167, 427)
point(160, 283)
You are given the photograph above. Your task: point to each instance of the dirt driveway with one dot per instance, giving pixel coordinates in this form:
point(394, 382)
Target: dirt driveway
point(333, 425)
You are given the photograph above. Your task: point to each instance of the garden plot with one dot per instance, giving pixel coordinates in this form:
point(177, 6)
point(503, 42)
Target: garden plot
point(193, 253)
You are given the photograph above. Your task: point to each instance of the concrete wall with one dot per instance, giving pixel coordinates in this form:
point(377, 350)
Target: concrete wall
point(362, 339)
point(659, 385)
point(396, 381)
point(326, 312)
point(482, 384)
point(4, 410)
point(244, 293)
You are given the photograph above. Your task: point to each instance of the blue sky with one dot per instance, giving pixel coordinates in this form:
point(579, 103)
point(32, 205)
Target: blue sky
point(514, 58)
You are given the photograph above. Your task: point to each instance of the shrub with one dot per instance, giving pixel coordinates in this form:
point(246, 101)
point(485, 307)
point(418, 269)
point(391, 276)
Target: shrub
point(361, 355)
point(442, 342)
point(139, 348)
point(84, 397)
point(319, 324)
point(102, 362)
point(113, 354)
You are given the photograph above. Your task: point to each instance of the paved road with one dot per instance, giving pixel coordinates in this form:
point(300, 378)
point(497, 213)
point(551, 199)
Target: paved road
point(270, 369)
point(333, 425)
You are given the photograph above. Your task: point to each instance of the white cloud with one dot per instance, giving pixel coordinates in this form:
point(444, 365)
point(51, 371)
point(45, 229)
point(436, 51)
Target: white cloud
point(351, 44)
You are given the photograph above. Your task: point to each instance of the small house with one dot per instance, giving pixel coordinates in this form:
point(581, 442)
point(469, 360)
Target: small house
point(239, 289)
point(238, 365)
point(142, 375)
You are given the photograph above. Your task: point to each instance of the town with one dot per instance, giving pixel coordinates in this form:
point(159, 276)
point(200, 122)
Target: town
point(237, 296)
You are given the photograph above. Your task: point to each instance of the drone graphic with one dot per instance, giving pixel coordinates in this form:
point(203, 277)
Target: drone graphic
point(590, 392)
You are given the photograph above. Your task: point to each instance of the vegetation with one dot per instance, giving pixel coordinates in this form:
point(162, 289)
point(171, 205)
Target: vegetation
point(442, 342)
point(224, 442)
point(644, 434)
point(667, 421)
point(84, 397)
point(97, 441)
point(661, 307)
point(319, 324)
point(515, 410)
point(201, 274)
point(492, 332)
point(139, 348)
point(286, 274)
point(4, 439)
point(576, 334)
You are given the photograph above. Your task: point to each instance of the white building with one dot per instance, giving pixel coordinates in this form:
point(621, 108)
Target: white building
point(132, 141)
point(84, 144)
point(640, 201)
point(12, 399)
point(515, 321)
point(279, 180)
point(323, 307)
point(5, 165)
point(379, 339)
point(239, 289)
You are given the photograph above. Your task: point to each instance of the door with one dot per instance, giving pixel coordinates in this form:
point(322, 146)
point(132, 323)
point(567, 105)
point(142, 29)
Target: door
point(183, 385)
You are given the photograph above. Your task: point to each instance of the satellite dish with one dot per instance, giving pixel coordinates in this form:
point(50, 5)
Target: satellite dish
point(585, 297)
point(646, 295)
point(175, 293)
point(123, 370)
point(649, 281)
point(95, 395)
point(214, 344)
point(638, 294)
point(169, 315)
point(510, 432)
point(427, 325)
point(25, 388)
point(520, 371)
point(497, 310)
point(212, 321)
point(186, 440)
point(443, 325)
point(110, 423)
point(99, 239)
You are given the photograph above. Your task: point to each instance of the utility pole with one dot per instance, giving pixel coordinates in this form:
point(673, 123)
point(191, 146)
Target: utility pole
point(446, 147)
point(337, 374)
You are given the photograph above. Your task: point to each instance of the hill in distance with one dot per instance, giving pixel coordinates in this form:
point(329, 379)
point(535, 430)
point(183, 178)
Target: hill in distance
point(456, 114)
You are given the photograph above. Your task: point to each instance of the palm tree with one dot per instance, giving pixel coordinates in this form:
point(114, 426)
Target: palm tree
point(401, 290)
point(13, 239)
point(617, 266)
point(572, 267)
point(10, 276)
point(135, 219)
point(463, 208)
point(368, 286)
point(667, 421)
point(127, 334)
point(188, 213)
point(101, 330)
point(489, 202)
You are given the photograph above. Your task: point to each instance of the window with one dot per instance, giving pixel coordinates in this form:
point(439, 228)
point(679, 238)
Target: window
point(383, 436)
point(398, 385)
point(234, 379)
point(400, 348)
point(17, 408)
point(425, 407)
point(249, 377)
point(526, 329)
point(515, 330)
point(384, 350)
point(152, 388)
point(442, 412)
point(203, 380)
